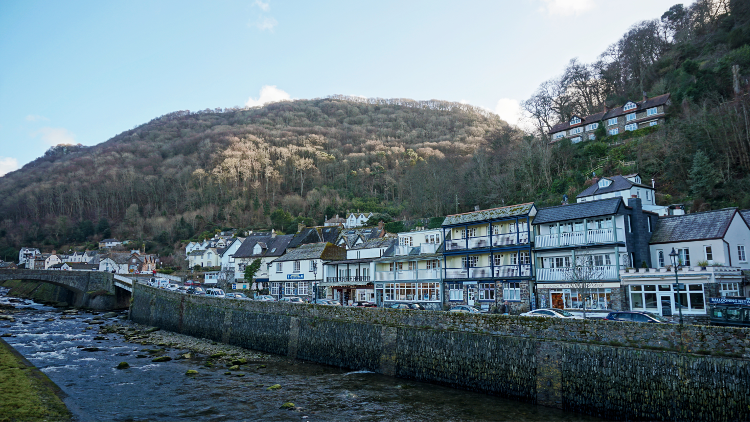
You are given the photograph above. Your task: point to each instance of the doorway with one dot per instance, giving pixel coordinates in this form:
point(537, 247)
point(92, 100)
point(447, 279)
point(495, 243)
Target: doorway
point(665, 305)
point(471, 294)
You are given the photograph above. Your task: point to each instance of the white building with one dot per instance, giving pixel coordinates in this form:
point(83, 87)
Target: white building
point(356, 220)
point(352, 279)
point(300, 270)
point(628, 186)
point(26, 256)
point(263, 246)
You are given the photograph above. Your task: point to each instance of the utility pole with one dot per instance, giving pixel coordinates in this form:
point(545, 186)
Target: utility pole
point(456, 203)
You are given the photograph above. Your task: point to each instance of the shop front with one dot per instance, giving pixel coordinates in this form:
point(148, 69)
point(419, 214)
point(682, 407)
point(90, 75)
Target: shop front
point(601, 297)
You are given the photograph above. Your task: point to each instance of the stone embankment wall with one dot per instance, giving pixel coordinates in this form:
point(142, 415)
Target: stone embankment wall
point(608, 369)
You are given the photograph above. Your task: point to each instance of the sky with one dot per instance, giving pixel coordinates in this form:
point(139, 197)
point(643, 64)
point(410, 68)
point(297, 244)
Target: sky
point(84, 71)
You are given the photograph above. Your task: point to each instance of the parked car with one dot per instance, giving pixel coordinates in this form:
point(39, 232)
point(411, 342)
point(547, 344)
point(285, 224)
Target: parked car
point(182, 289)
point(291, 299)
point(191, 283)
point(365, 304)
point(215, 292)
point(265, 298)
point(237, 296)
point(637, 316)
point(465, 308)
point(172, 287)
point(195, 291)
point(551, 313)
point(321, 301)
point(400, 306)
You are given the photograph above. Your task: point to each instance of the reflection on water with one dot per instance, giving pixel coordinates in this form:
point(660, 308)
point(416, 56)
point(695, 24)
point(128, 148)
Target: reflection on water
point(161, 391)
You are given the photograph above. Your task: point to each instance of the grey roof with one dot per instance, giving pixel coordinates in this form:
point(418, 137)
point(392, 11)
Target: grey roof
point(330, 234)
point(306, 235)
point(697, 226)
point(197, 252)
point(321, 250)
point(384, 242)
point(617, 111)
point(279, 245)
point(81, 266)
point(577, 211)
point(109, 240)
point(268, 242)
point(618, 183)
point(746, 215)
point(490, 214)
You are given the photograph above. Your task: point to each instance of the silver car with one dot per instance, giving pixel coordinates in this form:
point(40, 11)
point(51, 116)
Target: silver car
point(551, 313)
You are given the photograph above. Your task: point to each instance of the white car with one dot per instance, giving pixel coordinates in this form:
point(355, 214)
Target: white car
point(215, 292)
point(551, 313)
point(172, 287)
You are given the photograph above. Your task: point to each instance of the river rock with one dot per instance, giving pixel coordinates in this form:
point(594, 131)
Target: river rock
point(239, 361)
point(287, 405)
point(100, 338)
point(7, 318)
point(191, 372)
point(6, 335)
point(109, 315)
point(151, 330)
point(92, 349)
point(123, 365)
point(49, 319)
point(161, 359)
point(274, 387)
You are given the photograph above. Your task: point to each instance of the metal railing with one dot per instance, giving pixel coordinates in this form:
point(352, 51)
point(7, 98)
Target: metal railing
point(601, 272)
point(578, 238)
point(497, 240)
point(348, 279)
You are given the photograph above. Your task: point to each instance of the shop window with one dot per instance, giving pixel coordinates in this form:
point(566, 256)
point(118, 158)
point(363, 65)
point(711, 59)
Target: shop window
point(486, 291)
point(511, 291)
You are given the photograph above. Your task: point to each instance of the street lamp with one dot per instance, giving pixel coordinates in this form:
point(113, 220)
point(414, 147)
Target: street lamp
point(675, 261)
point(315, 280)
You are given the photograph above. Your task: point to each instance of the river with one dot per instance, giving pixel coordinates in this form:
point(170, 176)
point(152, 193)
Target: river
point(64, 346)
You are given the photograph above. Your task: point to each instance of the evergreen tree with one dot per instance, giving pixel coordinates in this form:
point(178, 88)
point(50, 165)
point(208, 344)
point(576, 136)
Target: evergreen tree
point(703, 176)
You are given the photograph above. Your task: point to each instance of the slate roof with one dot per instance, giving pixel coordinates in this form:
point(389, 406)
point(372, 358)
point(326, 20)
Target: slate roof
point(697, 226)
point(383, 242)
point(577, 211)
point(618, 183)
point(306, 235)
point(279, 245)
point(81, 266)
point(269, 243)
point(330, 234)
point(490, 214)
point(615, 112)
point(746, 215)
point(322, 250)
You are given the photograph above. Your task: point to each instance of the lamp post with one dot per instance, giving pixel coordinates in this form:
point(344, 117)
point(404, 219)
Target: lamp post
point(675, 261)
point(315, 278)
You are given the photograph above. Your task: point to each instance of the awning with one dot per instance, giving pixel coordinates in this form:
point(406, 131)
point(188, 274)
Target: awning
point(354, 285)
point(592, 285)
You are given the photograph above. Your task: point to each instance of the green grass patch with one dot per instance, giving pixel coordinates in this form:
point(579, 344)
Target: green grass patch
point(27, 394)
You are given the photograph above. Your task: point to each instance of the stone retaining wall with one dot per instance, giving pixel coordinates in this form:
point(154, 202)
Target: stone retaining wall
point(608, 369)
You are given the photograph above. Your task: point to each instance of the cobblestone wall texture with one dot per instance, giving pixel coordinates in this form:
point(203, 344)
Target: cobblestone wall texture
point(619, 371)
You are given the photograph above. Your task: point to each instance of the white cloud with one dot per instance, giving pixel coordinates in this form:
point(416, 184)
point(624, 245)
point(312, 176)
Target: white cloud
point(263, 23)
point(566, 7)
point(264, 6)
point(7, 165)
point(55, 135)
point(268, 94)
point(509, 110)
point(36, 118)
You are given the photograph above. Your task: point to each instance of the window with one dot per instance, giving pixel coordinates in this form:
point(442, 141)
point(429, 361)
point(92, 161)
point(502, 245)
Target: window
point(278, 267)
point(709, 253)
point(602, 260)
point(631, 127)
point(575, 120)
point(630, 117)
point(684, 257)
point(741, 253)
point(629, 106)
point(648, 223)
point(470, 232)
point(654, 123)
point(660, 257)
point(576, 131)
point(405, 241)
point(596, 298)
point(560, 262)
point(576, 140)
point(289, 289)
point(455, 291)
point(592, 126)
point(612, 121)
point(302, 289)
point(412, 265)
point(614, 131)
point(275, 289)
point(558, 135)
point(296, 266)
point(472, 261)
point(513, 259)
point(592, 136)
point(511, 291)
point(398, 266)
point(412, 291)
point(652, 111)
point(729, 289)
point(486, 291)
point(312, 264)
point(433, 264)
point(498, 260)
point(525, 258)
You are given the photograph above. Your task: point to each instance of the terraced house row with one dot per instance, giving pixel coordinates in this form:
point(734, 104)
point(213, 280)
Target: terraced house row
point(608, 250)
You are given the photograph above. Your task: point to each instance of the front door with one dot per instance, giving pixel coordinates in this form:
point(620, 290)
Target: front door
point(665, 304)
point(471, 294)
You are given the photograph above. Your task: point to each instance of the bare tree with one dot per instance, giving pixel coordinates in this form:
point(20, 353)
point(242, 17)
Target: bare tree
point(584, 275)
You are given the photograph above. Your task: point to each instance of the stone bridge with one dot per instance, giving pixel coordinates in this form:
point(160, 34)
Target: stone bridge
point(85, 289)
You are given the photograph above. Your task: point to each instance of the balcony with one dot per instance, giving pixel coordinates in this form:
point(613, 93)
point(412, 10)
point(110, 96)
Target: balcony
point(424, 248)
point(496, 240)
point(523, 270)
point(603, 272)
point(408, 275)
point(349, 279)
point(595, 236)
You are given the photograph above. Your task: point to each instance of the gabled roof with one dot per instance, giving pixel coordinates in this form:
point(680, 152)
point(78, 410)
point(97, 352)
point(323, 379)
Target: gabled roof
point(279, 245)
point(384, 242)
point(330, 234)
point(618, 183)
point(306, 235)
point(690, 227)
point(109, 240)
point(270, 246)
point(615, 112)
point(490, 214)
point(577, 211)
point(321, 250)
point(81, 266)
point(746, 215)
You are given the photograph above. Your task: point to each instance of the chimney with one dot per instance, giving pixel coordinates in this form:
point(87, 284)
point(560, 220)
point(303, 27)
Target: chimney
point(644, 96)
point(606, 109)
point(653, 184)
point(300, 226)
point(273, 233)
point(380, 226)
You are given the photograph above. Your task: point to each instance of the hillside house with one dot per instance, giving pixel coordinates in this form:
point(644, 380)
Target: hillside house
point(26, 256)
point(263, 246)
point(300, 270)
point(354, 220)
point(109, 243)
point(628, 186)
point(334, 221)
point(631, 116)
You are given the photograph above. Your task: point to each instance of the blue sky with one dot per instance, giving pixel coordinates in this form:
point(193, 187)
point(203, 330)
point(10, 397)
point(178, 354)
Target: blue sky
point(84, 71)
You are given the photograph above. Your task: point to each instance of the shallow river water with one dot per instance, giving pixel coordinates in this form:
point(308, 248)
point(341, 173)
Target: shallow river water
point(97, 391)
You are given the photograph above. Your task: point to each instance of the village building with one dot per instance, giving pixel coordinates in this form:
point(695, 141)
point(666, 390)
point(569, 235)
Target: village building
point(299, 271)
point(351, 279)
point(264, 246)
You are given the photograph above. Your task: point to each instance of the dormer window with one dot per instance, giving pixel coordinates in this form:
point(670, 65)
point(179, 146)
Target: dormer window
point(629, 106)
point(574, 121)
point(603, 183)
